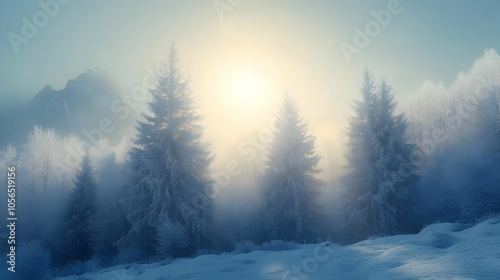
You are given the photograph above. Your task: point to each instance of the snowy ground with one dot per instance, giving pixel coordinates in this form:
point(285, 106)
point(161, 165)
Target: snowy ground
point(440, 251)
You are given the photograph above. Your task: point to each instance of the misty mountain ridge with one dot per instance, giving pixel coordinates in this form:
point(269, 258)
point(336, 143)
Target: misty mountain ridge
point(80, 105)
point(90, 87)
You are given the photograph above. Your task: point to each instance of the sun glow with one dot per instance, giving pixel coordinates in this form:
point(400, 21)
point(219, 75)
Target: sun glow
point(246, 88)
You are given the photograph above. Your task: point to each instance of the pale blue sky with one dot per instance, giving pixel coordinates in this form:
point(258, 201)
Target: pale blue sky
point(288, 44)
point(427, 40)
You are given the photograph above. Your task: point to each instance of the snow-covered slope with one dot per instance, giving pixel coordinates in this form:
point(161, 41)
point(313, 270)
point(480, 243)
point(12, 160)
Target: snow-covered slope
point(440, 251)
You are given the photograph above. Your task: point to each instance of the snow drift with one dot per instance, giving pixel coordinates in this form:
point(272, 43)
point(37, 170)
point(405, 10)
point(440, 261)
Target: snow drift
point(439, 251)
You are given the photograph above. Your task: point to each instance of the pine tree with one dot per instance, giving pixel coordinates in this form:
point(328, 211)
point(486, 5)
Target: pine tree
point(170, 162)
point(380, 171)
point(112, 223)
point(76, 238)
point(393, 167)
point(361, 157)
point(290, 187)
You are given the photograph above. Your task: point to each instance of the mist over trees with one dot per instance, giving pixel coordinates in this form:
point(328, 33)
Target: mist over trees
point(433, 157)
point(457, 132)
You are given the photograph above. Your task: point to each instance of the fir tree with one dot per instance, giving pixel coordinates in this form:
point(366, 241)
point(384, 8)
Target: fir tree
point(380, 171)
point(361, 157)
point(290, 187)
point(112, 223)
point(76, 239)
point(170, 162)
point(393, 168)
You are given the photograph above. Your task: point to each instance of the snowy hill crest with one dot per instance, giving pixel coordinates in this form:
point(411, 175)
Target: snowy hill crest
point(439, 251)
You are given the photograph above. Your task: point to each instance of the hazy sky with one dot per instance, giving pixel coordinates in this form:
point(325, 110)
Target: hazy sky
point(265, 47)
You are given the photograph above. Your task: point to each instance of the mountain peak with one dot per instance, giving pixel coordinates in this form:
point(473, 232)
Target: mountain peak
point(90, 86)
point(46, 93)
point(94, 76)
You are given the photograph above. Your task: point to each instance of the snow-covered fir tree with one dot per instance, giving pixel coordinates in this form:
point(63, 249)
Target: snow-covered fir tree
point(170, 163)
point(290, 186)
point(379, 165)
point(76, 237)
point(393, 166)
point(112, 223)
point(360, 181)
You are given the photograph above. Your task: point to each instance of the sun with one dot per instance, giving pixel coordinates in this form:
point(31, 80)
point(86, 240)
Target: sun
point(246, 89)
